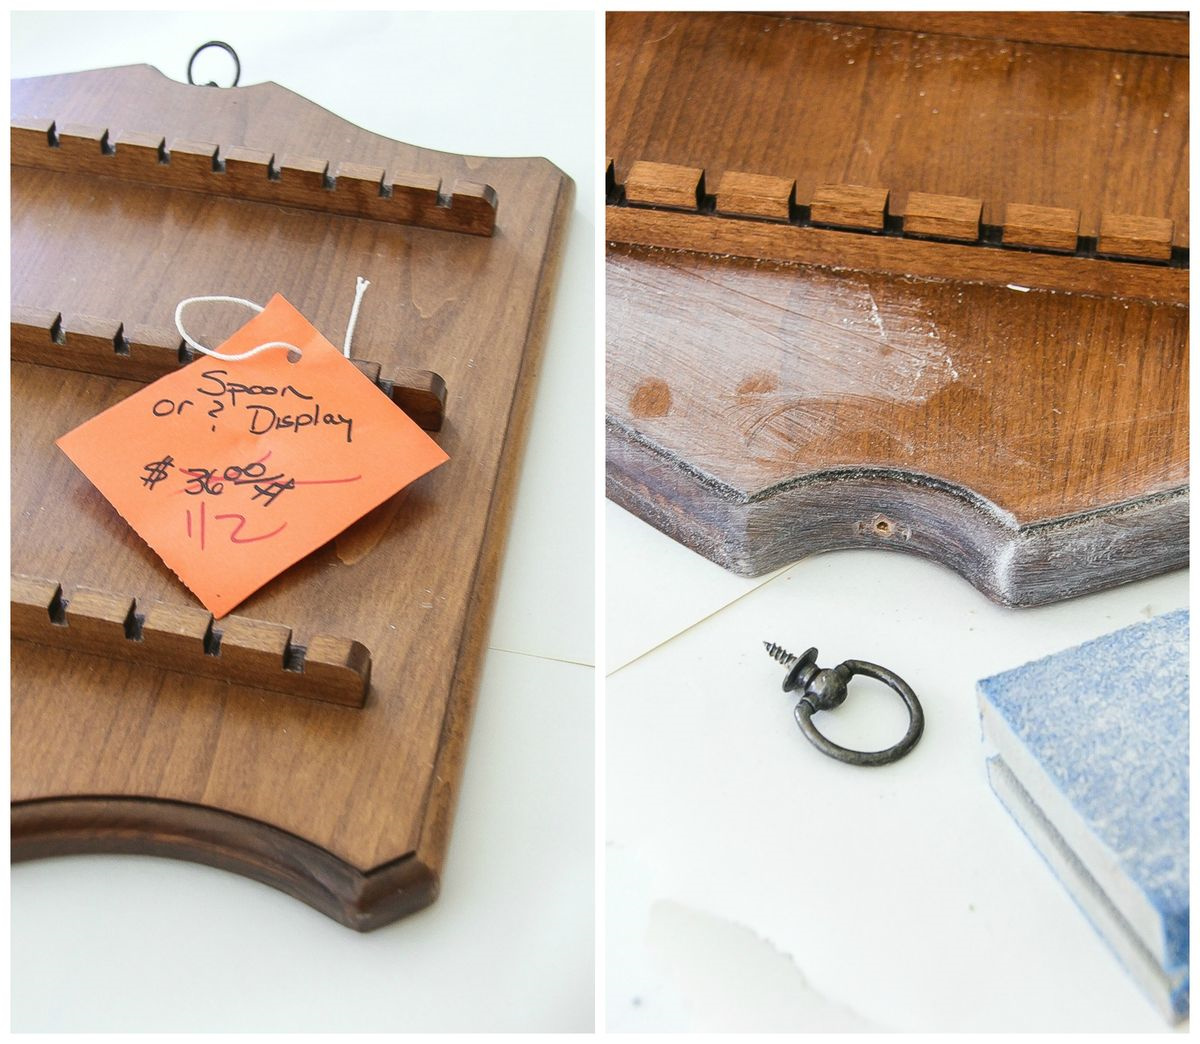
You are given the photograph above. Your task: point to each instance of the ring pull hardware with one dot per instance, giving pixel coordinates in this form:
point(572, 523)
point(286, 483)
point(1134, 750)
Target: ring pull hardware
point(826, 688)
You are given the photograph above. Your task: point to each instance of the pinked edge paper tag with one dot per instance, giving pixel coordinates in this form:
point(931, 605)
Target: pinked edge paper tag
point(233, 471)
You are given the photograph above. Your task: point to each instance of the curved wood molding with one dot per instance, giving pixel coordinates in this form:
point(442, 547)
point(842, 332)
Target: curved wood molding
point(892, 510)
point(176, 830)
point(1034, 441)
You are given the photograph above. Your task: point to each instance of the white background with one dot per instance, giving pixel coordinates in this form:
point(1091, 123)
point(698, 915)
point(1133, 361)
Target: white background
point(754, 883)
point(132, 943)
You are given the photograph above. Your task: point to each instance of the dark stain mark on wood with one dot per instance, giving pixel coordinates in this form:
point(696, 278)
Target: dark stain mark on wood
point(651, 398)
point(758, 384)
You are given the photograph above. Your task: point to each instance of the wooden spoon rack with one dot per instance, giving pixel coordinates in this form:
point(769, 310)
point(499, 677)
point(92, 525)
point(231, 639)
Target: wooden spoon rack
point(315, 740)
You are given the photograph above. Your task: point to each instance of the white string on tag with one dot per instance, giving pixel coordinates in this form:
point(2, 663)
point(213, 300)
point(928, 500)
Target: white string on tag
point(220, 355)
point(359, 289)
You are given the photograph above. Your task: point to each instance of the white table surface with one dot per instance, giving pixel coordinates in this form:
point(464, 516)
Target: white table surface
point(132, 943)
point(754, 884)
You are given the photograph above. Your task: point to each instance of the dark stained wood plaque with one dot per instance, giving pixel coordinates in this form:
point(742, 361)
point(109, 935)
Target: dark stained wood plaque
point(314, 740)
point(918, 284)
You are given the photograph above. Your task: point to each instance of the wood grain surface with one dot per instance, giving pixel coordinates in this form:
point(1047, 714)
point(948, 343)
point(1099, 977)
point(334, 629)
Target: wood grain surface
point(346, 808)
point(999, 119)
point(1151, 33)
point(952, 317)
point(1135, 236)
point(664, 185)
point(1051, 228)
point(755, 195)
point(849, 206)
point(947, 217)
point(1037, 441)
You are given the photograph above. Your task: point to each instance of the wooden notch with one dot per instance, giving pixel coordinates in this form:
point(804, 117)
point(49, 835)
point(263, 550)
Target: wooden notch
point(1046, 228)
point(113, 349)
point(236, 171)
point(186, 640)
point(1130, 235)
point(755, 195)
point(142, 154)
point(664, 185)
point(849, 206)
point(946, 217)
point(366, 184)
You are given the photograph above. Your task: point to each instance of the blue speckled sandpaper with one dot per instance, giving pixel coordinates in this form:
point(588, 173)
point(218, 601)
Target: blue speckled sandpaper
point(1107, 722)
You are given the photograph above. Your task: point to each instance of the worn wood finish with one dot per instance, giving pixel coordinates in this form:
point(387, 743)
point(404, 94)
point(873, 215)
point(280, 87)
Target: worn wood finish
point(111, 348)
point(892, 510)
point(354, 189)
point(252, 653)
point(1036, 441)
point(967, 338)
point(349, 809)
point(1000, 120)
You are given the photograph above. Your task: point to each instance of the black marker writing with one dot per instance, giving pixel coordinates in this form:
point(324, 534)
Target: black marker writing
point(264, 419)
point(271, 491)
point(217, 387)
point(169, 407)
point(156, 471)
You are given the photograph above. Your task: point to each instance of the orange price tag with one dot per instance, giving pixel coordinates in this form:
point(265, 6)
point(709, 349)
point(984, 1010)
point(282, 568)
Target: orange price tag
point(232, 471)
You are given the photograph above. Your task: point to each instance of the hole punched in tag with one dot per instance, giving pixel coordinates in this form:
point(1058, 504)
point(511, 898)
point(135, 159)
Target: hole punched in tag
point(827, 688)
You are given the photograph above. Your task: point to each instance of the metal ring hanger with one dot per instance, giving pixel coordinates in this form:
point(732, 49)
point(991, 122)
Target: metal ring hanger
point(237, 65)
point(826, 688)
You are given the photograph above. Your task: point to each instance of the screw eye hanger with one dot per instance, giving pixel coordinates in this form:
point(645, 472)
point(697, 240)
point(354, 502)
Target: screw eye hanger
point(237, 65)
point(826, 688)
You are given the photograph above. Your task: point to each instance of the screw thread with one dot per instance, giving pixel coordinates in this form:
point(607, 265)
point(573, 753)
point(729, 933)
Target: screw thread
point(780, 655)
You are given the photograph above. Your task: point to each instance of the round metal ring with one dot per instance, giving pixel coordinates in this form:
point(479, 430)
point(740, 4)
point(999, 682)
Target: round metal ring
point(916, 720)
point(237, 65)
